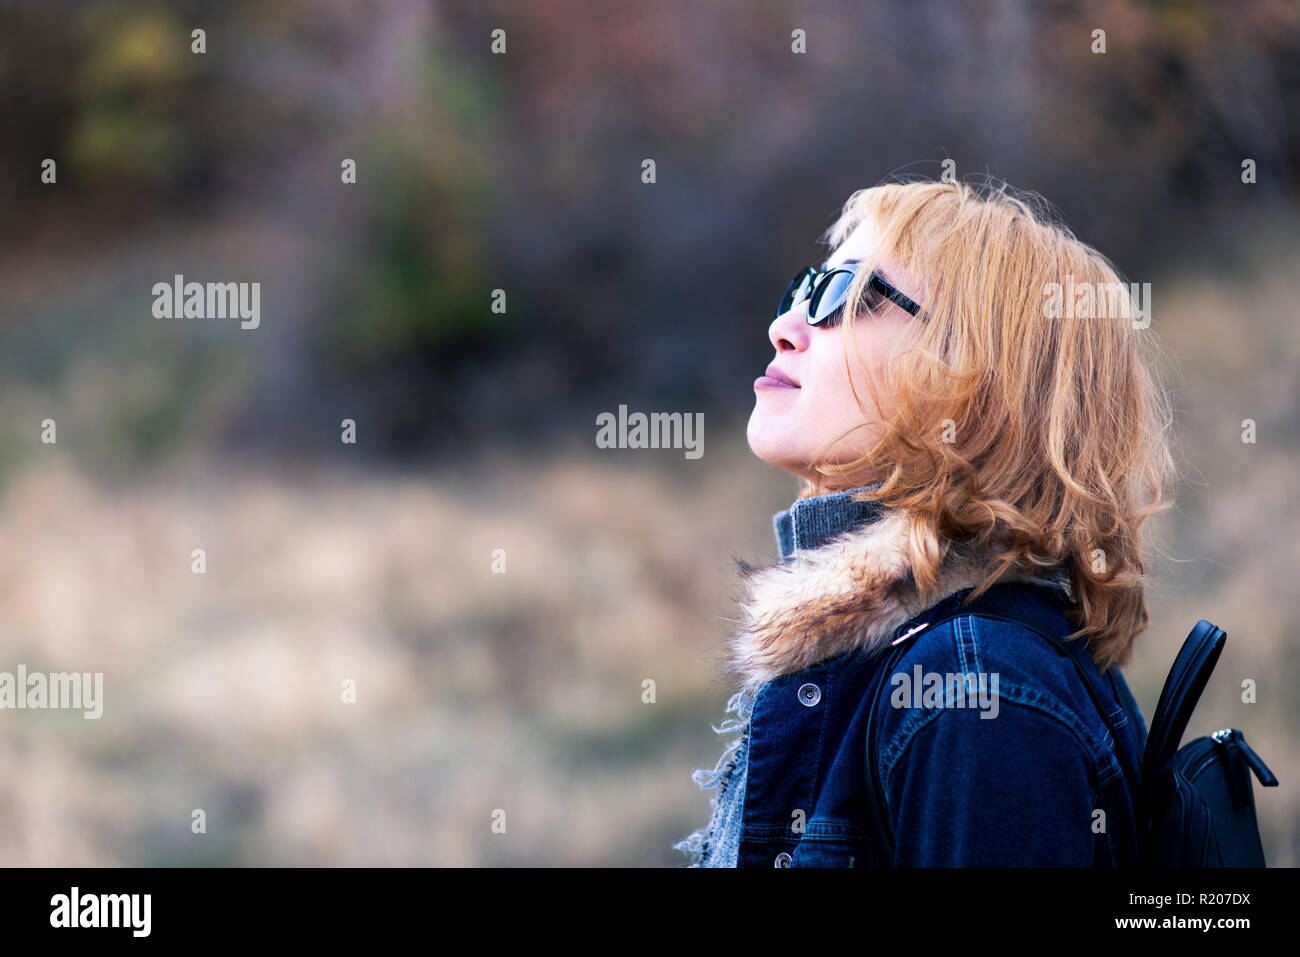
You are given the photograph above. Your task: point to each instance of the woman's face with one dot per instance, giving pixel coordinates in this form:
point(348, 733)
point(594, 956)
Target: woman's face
point(793, 419)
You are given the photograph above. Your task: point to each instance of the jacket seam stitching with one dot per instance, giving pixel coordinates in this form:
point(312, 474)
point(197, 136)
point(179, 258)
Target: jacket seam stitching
point(894, 751)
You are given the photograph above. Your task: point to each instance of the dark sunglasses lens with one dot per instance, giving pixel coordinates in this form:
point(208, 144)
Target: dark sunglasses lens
point(829, 296)
point(794, 293)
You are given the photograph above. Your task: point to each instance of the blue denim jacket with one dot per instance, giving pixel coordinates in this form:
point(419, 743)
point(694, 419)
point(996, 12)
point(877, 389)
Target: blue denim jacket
point(1026, 773)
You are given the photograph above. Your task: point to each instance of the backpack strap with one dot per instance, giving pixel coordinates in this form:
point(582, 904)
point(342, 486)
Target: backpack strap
point(875, 796)
point(1187, 679)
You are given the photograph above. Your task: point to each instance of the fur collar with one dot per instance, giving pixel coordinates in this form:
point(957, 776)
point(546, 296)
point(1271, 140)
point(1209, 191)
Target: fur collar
point(848, 594)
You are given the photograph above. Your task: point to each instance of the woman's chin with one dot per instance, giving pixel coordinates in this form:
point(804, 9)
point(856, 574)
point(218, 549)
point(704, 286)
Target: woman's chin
point(773, 453)
point(758, 434)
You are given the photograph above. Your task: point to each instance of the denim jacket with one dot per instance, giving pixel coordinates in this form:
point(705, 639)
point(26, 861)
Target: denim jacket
point(1017, 769)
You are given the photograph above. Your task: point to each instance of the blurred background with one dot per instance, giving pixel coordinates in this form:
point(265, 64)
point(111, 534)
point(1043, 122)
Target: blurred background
point(373, 561)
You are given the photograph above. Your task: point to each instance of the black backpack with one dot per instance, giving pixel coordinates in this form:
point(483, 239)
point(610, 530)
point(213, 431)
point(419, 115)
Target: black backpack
point(1198, 800)
point(1196, 805)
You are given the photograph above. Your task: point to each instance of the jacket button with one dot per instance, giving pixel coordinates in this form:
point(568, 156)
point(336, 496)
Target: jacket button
point(783, 860)
point(809, 695)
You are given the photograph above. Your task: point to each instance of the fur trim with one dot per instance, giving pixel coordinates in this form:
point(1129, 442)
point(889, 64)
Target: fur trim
point(848, 594)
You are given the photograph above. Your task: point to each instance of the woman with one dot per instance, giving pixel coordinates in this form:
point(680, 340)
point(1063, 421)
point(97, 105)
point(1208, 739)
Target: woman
point(960, 437)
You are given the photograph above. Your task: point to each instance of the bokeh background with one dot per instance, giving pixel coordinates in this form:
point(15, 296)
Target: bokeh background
point(522, 172)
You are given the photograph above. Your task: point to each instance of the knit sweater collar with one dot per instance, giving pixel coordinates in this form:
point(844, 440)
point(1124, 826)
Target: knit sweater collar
point(812, 522)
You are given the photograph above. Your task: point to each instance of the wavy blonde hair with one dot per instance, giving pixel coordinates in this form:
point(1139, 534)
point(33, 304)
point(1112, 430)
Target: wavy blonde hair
point(1041, 441)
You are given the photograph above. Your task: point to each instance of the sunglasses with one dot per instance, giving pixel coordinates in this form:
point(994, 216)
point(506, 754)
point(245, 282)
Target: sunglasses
point(829, 289)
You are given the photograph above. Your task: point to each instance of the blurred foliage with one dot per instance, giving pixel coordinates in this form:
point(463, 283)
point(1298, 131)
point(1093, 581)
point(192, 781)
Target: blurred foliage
point(424, 287)
point(521, 172)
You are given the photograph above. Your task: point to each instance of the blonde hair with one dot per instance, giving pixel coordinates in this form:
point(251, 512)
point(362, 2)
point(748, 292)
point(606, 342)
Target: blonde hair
point(1042, 441)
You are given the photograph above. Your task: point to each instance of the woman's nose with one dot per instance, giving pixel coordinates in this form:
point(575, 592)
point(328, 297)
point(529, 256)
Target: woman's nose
point(789, 331)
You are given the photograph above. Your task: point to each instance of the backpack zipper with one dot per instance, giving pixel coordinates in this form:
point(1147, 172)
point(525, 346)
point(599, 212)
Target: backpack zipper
point(1232, 738)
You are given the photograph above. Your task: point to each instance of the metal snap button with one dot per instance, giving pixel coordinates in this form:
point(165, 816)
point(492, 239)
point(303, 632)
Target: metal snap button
point(783, 859)
point(809, 695)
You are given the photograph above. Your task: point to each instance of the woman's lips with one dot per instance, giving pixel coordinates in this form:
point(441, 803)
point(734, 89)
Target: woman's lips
point(775, 379)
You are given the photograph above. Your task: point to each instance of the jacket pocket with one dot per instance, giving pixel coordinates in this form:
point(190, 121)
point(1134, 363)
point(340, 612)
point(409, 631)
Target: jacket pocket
point(830, 844)
point(830, 852)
